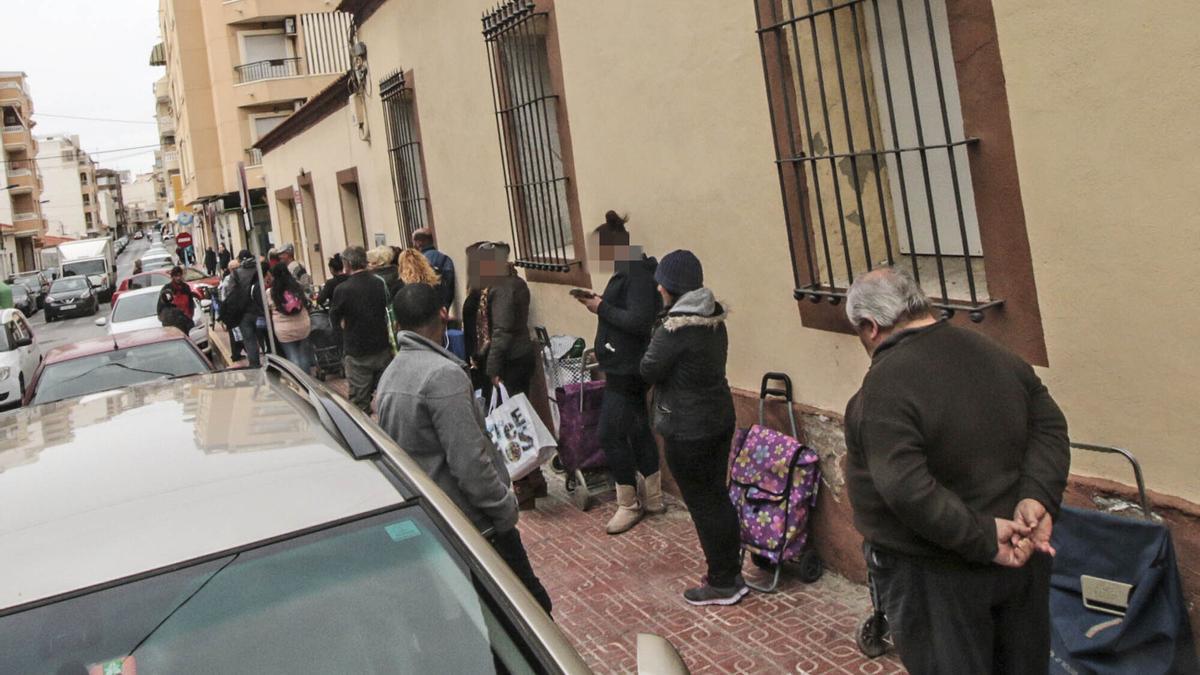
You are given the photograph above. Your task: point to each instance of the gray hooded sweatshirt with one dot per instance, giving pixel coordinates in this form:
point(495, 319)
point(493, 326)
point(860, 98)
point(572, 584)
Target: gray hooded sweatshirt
point(425, 403)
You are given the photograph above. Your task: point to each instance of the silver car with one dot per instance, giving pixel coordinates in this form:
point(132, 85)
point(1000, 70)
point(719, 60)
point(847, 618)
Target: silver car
point(248, 522)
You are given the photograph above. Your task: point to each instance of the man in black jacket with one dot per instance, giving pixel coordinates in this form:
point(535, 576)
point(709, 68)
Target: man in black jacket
point(359, 307)
point(958, 458)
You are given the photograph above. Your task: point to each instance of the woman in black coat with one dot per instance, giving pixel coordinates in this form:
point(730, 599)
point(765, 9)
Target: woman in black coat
point(626, 312)
point(693, 411)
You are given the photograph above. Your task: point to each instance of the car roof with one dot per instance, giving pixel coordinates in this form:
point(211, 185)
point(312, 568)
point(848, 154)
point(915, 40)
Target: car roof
point(111, 343)
point(113, 484)
point(141, 291)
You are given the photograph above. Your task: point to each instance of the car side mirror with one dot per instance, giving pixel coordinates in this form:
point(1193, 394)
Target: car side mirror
point(102, 321)
point(657, 656)
point(25, 341)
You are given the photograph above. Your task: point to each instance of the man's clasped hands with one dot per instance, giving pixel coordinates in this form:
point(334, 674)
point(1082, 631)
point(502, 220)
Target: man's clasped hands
point(1027, 533)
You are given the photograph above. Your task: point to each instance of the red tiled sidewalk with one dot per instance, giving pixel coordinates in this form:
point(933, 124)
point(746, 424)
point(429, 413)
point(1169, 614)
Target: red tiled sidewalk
point(607, 589)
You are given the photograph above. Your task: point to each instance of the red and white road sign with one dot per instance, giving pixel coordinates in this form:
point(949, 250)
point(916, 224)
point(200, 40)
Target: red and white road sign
point(183, 240)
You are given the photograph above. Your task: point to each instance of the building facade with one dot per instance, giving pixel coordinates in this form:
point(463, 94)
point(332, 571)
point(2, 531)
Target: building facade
point(112, 201)
point(143, 205)
point(235, 70)
point(994, 149)
point(21, 218)
point(70, 196)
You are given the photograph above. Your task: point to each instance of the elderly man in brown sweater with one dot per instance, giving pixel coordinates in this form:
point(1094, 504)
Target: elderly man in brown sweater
point(957, 462)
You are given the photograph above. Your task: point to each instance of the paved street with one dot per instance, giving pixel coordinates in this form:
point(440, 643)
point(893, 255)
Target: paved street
point(71, 330)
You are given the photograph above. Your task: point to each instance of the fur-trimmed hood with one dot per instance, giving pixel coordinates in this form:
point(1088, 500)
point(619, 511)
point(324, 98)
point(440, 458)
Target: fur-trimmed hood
point(696, 308)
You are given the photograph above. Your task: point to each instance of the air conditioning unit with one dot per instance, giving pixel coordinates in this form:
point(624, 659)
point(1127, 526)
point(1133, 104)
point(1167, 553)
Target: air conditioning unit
point(289, 25)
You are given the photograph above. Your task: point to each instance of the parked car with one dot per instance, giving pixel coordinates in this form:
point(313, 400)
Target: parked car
point(196, 278)
point(138, 309)
point(139, 234)
point(22, 300)
point(37, 283)
point(265, 526)
point(112, 362)
point(71, 295)
point(19, 356)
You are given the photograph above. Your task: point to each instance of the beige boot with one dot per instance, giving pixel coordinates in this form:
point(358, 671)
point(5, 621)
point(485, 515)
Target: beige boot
point(629, 511)
point(652, 497)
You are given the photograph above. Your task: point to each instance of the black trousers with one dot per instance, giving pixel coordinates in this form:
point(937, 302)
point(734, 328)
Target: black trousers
point(509, 546)
point(949, 616)
point(624, 431)
point(699, 470)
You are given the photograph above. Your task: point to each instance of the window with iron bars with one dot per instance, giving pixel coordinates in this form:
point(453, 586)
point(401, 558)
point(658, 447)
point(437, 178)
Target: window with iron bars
point(404, 149)
point(528, 110)
point(870, 147)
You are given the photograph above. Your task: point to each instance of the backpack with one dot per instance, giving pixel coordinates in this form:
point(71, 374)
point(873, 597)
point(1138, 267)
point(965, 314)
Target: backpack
point(234, 306)
point(173, 317)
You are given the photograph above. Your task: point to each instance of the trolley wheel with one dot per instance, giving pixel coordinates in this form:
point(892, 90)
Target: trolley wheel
point(811, 566)
point(872, 636)
point(762, 562)
point(581, 496)
point(556, 464)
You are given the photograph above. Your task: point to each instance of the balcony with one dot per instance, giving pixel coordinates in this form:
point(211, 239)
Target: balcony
point(28, 223)
point(162, 90)
point(253, 157)
point(171, 160)
point(20, 181)
point(166, 125)
point(267, 70)
point(18, 138)
point(243, 11)
point(11, 91)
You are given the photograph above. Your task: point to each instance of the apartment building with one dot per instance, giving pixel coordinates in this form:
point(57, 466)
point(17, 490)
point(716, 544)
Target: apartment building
point(166, 158)
point(70, 196)
point(109, 191)
point(143, 205)
point(21, 219)
point(235, 70)
point(998, 150)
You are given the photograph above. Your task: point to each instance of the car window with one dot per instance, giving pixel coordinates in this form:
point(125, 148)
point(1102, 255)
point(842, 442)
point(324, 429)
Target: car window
point(19, 293)
point(20, 330)
point(148, 281)
point(71, 284)
point(156, 264)
point(133, 307)
point(380, 594)
point(7, 337)
point(85, 267)
point(115, 369)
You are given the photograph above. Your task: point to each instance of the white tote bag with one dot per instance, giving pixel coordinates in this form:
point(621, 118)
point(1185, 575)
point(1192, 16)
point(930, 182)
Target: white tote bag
point(519, 434)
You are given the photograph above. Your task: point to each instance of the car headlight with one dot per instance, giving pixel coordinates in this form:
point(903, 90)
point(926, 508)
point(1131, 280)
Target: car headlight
point(4, 373)
point(51, 298)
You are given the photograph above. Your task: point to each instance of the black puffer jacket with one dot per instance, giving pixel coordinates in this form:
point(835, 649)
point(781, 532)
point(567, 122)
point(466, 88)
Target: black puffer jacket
point(686, 364)
point(630, 305)
point(508, 308)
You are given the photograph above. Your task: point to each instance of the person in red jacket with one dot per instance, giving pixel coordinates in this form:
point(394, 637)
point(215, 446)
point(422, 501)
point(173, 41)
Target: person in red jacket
point(176, 292)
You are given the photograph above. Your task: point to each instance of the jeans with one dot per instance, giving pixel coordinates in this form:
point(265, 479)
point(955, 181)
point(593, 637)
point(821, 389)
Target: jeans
point(699, 470)
point(250, 339)
point(363, 373)
point(508, 545)
point(624, 431)
point(950, 616)
point(300, 353)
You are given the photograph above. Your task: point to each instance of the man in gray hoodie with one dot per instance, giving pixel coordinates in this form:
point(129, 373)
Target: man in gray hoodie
point(425, 403)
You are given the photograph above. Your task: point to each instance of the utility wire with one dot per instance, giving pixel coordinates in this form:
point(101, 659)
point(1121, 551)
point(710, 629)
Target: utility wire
point(89, 153)
point(94, 119)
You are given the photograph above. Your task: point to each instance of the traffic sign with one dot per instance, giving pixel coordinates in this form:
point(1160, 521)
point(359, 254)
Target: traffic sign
point(183, 240)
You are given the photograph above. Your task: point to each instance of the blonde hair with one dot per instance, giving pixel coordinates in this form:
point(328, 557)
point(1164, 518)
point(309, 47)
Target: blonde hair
point(379, 256)
point(415, 268)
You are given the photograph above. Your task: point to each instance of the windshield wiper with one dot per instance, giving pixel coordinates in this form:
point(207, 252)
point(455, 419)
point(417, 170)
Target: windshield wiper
point(122, 365)
point(182, 603)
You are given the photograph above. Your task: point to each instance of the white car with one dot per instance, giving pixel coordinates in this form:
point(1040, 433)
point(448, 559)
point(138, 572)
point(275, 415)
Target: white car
point(19, 356)
point(138, 309)
point(153, 260)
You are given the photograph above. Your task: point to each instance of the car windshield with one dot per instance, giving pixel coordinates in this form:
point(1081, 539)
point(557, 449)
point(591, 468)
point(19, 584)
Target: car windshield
point(383, 594)
point(134, 307)
point(156, 264)
point(116, 369)
point(147, 280)
point(191, 274)
point(30, 283)
point(69, 284)
point(85, 267)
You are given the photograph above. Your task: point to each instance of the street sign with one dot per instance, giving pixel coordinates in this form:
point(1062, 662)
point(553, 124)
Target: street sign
point(185, 219)
point(184, 240)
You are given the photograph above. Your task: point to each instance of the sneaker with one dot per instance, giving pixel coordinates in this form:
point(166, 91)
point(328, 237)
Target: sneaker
point(704, 594)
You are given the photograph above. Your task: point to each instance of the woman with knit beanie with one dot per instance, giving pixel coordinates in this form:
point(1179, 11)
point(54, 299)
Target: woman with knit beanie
point(693, 411)
point(626, 312)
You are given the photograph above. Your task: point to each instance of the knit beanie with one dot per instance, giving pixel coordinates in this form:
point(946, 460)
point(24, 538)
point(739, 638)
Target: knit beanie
point(680, 272)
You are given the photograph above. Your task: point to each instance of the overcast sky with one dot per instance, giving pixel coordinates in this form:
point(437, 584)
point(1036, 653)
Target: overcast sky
point(88, 58)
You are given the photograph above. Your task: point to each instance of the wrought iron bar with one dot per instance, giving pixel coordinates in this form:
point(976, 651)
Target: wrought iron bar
point(270, 68)
point(877, 151)
point(812, 14)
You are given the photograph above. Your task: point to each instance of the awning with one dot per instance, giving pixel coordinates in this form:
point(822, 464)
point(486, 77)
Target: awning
point(158, 55)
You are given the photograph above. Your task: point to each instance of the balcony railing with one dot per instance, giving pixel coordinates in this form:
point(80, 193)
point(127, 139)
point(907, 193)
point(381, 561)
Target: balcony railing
point(264, 70)
point(253, 156)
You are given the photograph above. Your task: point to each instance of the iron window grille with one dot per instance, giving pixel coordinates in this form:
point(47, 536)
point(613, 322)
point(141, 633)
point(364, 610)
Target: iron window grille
point(870, 147)
point(404, 150)
point(527, 127)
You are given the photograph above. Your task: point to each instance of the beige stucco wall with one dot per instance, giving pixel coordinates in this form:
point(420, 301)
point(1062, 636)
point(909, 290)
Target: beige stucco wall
point(669, 122)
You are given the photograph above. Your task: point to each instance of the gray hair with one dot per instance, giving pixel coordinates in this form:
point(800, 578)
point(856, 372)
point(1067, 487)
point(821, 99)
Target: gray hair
point(355, 257)
point(886, 296)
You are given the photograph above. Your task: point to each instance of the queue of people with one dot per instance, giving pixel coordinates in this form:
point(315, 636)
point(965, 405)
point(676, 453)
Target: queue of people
point(957, 454)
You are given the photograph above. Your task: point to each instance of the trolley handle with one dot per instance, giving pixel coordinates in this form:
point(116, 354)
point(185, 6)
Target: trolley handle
point(1137, 471)
point(543, 336)
point(766, 389)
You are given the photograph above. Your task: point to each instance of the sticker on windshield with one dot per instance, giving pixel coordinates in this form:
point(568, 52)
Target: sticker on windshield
point(404, 529)
point(118, 666)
